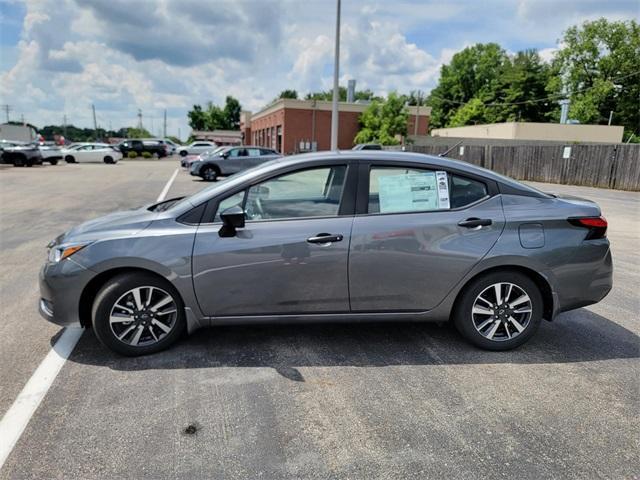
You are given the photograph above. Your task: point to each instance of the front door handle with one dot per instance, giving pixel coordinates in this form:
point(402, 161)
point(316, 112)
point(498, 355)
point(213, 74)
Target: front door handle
point(325, 238)
point(475, 222)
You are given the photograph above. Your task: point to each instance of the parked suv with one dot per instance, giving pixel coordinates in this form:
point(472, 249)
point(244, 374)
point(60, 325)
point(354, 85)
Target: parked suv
point(196, 147)
point(139, 146)
point(230, 160)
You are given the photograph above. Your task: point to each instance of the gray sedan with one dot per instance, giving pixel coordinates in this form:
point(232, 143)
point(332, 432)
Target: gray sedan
point(342, 236)
point(229, 160)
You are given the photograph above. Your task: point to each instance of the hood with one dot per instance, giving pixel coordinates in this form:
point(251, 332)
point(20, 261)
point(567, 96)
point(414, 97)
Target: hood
point(117, 224)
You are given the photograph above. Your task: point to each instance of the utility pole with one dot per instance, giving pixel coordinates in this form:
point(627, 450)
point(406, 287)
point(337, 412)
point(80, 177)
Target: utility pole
point(95, 122)
point(164, 130)
point(610, 117)
point(419, 98)
point(179, 136)
point(140, 119)
point(22, 119)
point(336, 87)
point(64, 125)
point(7, 109)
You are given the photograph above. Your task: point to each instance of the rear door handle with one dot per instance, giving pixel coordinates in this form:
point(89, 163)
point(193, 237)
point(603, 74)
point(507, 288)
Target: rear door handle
point(325, 238)
point(475, 222)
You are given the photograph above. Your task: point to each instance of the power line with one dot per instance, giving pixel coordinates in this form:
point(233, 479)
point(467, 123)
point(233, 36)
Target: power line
point(537, 100)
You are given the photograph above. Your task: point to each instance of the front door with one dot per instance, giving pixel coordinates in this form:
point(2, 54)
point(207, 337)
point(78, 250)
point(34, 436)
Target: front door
point(291, 256)
point(423, 230)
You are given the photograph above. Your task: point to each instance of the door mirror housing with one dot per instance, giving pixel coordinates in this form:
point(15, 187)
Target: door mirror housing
point(232, 219)
point(224, 154)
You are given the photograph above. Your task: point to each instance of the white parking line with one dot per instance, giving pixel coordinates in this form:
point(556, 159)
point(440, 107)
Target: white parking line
point(166, 188)
point(16, 419)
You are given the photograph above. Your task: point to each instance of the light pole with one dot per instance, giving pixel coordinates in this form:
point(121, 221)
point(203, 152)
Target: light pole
point(336, 88)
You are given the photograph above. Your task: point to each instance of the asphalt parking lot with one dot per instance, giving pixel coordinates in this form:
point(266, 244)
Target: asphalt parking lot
point(315, 401)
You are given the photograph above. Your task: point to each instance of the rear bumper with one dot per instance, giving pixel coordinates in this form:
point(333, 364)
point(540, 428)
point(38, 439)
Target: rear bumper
point(589, 283)
point(61, 285)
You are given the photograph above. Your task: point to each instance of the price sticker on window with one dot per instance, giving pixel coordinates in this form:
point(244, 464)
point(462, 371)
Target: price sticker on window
point(443, 189)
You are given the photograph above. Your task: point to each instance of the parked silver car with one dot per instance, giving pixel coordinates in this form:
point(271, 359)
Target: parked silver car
point(342, 236)
point(229, 160)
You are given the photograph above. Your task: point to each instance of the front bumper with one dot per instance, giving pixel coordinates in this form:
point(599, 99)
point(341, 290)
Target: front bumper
point(61, 285)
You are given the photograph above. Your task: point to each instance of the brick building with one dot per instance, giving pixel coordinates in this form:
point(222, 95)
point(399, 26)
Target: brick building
point(293, 126)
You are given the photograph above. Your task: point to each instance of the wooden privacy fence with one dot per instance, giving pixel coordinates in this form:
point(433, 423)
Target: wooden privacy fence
point(607, 166)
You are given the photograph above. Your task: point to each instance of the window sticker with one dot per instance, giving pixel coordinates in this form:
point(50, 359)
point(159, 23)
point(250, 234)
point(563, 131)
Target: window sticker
point(443, 189)
point(413, 192)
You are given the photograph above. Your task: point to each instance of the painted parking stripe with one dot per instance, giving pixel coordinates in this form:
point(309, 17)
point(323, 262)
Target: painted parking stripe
point(16, 419)
point(166, 188)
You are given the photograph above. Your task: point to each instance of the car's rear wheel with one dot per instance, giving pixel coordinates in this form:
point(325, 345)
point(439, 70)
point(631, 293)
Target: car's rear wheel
point(69, 159)
point(210, 174)
point(108, 159)
point(137, 314)
point(499, 311)
point(53, 162)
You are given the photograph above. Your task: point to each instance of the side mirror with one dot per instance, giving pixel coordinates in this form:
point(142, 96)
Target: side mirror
point(232, 218)
point(224, 154)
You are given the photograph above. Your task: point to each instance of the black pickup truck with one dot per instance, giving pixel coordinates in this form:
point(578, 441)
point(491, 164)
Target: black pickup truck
point(152, 146)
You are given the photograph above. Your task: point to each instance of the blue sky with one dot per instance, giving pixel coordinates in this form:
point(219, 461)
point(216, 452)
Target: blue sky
point(59, 56)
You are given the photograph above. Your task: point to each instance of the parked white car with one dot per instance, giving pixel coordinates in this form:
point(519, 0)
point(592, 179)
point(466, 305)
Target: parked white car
point(92, 152)
point(196, 148)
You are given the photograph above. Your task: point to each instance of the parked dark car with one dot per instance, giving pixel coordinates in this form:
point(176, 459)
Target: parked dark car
point(154, 147)
point(230, 160)
point(334, 236)
point(22, 155)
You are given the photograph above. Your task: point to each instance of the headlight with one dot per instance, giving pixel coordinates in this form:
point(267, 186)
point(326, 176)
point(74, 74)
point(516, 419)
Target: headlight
point(60, 252)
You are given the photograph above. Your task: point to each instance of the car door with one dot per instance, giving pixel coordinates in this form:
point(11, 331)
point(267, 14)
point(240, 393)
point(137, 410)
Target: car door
point(418, 232)
point(234, 160)
point(84, 154)
point(291, 256)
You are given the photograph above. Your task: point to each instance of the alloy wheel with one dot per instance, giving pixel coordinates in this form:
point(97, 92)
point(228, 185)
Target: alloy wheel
point(143, 316)
point(502, 311)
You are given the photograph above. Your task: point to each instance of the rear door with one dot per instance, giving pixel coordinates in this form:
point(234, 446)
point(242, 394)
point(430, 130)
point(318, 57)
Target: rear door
point(418, 232)
point(291, 256)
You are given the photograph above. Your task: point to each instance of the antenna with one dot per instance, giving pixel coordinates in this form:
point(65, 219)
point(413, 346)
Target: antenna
point(449, 149)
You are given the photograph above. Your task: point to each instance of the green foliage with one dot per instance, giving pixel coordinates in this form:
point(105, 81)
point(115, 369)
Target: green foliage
point(133, 132)
point(590, 65)
point(383, 120)
point(175, 140)
point(342, 93)
point(484, 74)
point(146, 155)
point(132, 154)
point(214, 117)
point(288, 94)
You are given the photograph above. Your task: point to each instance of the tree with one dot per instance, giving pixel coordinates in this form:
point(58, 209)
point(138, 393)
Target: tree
point(599, 67)
point(133, 132)
point(342, 93)
point(474, 72)
point(382, 121)
point(471, 113)
point(288, 94)
point(214, 117)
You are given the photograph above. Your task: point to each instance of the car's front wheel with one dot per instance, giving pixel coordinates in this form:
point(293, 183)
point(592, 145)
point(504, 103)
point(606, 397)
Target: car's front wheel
point(108, 159)
point(183, 153)
point(137, 314)
point(499, 311)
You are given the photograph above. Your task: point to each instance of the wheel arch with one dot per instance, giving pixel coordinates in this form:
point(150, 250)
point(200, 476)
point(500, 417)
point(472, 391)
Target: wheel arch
point(92, 288)
point(541, 282)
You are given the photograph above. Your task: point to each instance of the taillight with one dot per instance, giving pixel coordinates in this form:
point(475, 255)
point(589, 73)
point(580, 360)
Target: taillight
point(597, 226)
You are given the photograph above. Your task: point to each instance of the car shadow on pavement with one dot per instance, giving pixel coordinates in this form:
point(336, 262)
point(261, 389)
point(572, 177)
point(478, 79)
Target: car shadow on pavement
point(578, 336)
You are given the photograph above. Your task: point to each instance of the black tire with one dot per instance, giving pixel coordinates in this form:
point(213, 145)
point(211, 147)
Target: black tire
point(184, 153)
point(108, 159)
point(112, 291)
point(29, 164)
point(69, 159)
point(53, 162)
point(209, 173)
point(466, 322)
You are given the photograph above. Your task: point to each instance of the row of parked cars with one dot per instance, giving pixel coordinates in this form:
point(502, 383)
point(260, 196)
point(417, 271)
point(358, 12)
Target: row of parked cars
point(28, 154)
